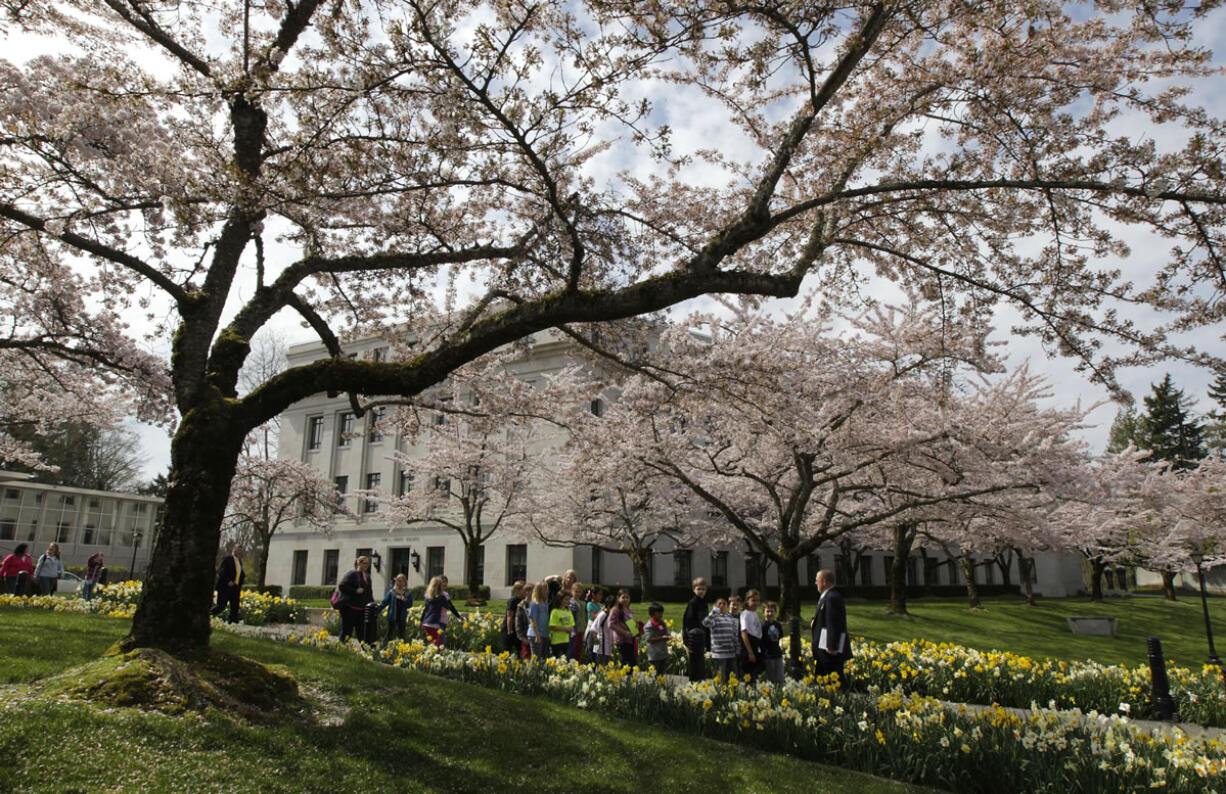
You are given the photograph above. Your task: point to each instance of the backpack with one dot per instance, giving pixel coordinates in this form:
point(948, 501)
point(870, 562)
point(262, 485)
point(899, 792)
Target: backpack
point(521, 621)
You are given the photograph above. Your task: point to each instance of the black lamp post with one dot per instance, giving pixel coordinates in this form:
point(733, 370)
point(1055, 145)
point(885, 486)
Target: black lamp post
point(1198, 557)
point(136, 536)
point(376, 559)
point(416, 558)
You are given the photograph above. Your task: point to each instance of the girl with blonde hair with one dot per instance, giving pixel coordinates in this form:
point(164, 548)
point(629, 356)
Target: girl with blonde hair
point(432, 617)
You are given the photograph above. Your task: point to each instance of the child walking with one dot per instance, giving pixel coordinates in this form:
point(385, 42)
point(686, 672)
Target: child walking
point(725, 637)
point(397, 603)
point(656, 634)
point(772, 651)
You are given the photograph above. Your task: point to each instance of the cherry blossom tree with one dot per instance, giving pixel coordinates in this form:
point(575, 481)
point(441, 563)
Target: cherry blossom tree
point(205, 168)
point(268, 493)
point(595, 492)
point(465, 467)
point(795, 436)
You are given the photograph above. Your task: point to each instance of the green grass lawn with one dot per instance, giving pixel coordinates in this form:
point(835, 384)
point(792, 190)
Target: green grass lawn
point(375, 728)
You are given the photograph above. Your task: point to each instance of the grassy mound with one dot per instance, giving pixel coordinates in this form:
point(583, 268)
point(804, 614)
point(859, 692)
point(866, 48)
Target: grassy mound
point(154, 680)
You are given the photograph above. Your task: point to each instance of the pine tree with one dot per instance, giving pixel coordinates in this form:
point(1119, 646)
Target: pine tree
point(1170, 432)
point(1126, 429)
point(1215, 420)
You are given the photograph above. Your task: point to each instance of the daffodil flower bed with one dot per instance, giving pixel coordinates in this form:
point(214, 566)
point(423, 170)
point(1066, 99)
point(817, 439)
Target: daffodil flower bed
point(965, 675)
point(119, 600)
point(891, 733)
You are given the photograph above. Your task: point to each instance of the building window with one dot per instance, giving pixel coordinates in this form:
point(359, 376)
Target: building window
point(33, 529)
point(300, 567)
point(517, 562)
point(87, 534)
point(434, 561)
point(332, 559)
point(344, 429)
point(377, 416)
point(813, 564)
point(95, 503)
point(11, 493)
point(68, 500)
point(63, 532)
point(378, 354)
point(342, 488)
point(866, 570)
point(104, 536)
point(597, 564)
point(597, 407)
point(753, 569)
point(404, 482)
point(373, 481)
point(719, 569)
point(315, 432)
point(443, 484)
point(683, 567)
point(8, 529)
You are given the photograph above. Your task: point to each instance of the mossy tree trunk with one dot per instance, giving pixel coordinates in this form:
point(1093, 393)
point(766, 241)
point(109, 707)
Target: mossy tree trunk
point(173, 613)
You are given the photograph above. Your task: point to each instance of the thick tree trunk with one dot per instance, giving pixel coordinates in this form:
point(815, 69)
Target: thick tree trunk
point(789, 587)
point(173, 613)
point(1168, 585)
point(1005, 564)
point(639, 559)
point(472, 547)
point(1025, 568)
point(972, 589)
point(903, 538)
point(1097, 569)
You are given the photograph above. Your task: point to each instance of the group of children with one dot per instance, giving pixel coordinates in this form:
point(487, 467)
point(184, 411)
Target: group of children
point(557, 617)
point(741, 643)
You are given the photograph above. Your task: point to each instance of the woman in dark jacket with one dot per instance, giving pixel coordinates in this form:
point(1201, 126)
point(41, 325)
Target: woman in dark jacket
point(355, 595)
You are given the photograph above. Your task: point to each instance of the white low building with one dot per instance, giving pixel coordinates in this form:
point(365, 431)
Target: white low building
point(82, 521)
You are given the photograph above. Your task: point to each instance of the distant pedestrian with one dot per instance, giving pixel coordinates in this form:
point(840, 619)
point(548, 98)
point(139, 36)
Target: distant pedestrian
point(831, 645)
point(230, 576)
point(772, 648)
point(696, 636)
point(438, 608)
point(621, 620)
point(355, 595)
point(49, 570)
point(656, 635)
point(14, 565)
point(538, 620)
point(397, 602)
point(93, 572)
point(561, 625)
point(510, 641)
point(725, 638)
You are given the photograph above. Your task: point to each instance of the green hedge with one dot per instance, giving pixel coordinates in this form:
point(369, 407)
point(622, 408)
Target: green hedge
point(303, 592)
point(458, 592)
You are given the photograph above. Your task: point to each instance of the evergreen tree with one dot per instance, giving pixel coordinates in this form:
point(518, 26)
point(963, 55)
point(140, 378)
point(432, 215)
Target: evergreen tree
point(1170, 432)
point(1126, 429)
point(1215, 424)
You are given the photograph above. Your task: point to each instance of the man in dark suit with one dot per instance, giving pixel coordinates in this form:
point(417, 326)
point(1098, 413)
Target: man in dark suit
point(229, 581)
point(831, 645)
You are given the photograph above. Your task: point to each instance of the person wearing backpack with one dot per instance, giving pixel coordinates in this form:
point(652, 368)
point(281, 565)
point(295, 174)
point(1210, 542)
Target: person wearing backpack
point(49, 570)
point(522, 622)
point(510, 641)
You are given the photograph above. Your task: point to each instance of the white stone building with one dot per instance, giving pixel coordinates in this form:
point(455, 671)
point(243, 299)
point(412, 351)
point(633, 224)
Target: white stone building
point(323, 431)
point(82, 521)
